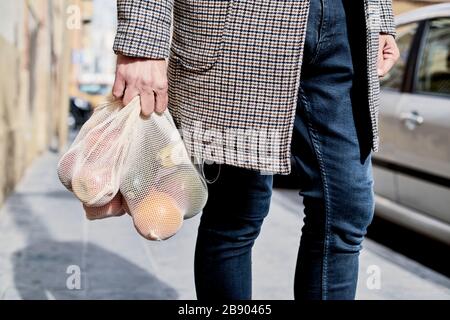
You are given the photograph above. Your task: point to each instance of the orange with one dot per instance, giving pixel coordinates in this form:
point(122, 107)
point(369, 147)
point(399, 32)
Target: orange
point(157, 216)
point(111, 209)
point(187, 188)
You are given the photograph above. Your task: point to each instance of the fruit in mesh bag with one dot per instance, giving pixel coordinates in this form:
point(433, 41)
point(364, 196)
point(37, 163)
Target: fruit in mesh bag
point(71, 160)
point(173, 154)
point(114, 208)
point(93, 186)
point(186, 187)
point(157, 216)
point(135, 183)
point(66, 167)
point(100, 141)
point(95, 182)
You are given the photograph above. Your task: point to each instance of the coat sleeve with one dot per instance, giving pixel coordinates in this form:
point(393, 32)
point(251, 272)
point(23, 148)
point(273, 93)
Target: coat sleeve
point(143, 28)
point(387, 17)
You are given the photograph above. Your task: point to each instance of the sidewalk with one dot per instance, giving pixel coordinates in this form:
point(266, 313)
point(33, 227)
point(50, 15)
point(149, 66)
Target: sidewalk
point(44, 239)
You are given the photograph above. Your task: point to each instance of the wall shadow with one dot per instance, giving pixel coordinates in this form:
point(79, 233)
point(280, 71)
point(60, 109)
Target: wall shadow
point(40, 268)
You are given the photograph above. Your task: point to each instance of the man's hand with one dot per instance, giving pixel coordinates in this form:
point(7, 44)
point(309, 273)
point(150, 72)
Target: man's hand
point(388, 54)
point(144, 77)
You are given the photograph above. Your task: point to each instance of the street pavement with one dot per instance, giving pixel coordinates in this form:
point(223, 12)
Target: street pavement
point(48, 250)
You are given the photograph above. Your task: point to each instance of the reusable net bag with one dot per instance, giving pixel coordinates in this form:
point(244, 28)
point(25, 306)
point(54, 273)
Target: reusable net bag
point(122, 162)
point(91, 167)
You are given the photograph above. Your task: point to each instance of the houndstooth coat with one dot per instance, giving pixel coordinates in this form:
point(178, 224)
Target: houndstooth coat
point(234, 70)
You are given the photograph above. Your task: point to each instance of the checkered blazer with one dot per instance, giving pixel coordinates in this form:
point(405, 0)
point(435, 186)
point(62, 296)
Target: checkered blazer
point(234, 70)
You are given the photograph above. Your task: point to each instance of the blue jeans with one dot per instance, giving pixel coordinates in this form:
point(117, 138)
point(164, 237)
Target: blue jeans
point(331, 159)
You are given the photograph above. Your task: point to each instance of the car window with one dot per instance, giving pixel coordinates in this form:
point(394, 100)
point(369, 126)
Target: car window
point(434, 67)
point(394, 78)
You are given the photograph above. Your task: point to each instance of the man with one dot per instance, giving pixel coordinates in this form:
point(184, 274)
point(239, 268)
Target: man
point(263, 87)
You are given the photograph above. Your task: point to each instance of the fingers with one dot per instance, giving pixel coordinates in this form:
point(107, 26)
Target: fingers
point(151, 99)
point(152, 96)
point(386, 66)
point(161, 98)
point(393, 49)
point(118, 87)
point(161, 102)
point(144, 77)
point(147, 103)
point(130, 92)
point(388, 54)
point(388, 51)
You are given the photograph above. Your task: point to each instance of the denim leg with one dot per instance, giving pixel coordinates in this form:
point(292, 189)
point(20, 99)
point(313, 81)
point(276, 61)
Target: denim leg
point(237, 204)
point(331, 160)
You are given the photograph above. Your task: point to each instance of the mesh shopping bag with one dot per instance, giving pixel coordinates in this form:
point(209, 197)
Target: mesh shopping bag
point(160, 184)
point(91, 167)
point(123, 162)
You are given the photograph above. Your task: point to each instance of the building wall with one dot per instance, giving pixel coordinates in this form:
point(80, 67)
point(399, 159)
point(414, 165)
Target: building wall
point(34, 74)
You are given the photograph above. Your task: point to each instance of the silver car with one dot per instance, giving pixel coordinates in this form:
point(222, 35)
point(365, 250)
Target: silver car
point(412, 169)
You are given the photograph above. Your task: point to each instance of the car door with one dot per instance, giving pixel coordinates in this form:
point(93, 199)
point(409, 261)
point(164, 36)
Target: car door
point(392, 92)
point(422, 150)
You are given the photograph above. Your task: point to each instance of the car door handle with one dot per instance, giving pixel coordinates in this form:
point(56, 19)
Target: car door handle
point(411, 119)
